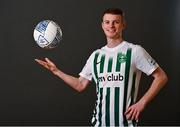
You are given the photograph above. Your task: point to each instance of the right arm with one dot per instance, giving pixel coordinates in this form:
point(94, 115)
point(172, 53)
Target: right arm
point(78, 84)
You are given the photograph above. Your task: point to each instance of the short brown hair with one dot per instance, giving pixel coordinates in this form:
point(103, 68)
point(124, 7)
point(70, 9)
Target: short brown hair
point(115, 11)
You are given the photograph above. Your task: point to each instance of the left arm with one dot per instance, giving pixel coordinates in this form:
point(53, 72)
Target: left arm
point(160, 79)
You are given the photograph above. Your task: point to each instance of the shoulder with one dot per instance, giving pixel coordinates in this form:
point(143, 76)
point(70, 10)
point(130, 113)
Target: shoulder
point(98, 51)
point(135, 47)
point(132, 45)
point(94, 53)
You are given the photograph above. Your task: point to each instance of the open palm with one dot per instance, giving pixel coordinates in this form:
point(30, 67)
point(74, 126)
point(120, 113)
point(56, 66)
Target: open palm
point(48, 65)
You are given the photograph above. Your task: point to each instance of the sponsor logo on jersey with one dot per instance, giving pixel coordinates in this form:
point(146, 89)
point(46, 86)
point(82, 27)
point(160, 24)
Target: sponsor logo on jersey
point(111, 77)
point(98, 62)
point(151, 61)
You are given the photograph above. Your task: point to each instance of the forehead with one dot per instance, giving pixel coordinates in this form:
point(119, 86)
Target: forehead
point(112, 17)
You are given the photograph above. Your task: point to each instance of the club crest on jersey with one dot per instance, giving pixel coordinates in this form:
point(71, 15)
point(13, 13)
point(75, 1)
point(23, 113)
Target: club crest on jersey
point(122, 58)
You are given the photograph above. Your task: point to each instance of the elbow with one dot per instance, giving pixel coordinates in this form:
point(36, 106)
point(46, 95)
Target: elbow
point(82, 84)
point(80, 89)
point(162, 76)
point(165, 79)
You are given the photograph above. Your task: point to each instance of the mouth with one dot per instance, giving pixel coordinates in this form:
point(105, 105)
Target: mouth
point(111, 30)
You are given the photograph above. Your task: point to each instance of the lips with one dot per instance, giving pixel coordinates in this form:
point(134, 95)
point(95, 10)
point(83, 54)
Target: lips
point(111, 30)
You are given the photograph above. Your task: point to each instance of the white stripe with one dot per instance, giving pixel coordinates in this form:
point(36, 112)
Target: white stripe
point(112, 101)
point(121, 96)
point(97, 109)
point(103, 106)
point(114, 63)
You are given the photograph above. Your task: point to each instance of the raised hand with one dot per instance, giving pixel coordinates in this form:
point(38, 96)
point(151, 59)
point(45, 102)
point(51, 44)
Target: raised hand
point(48, 65)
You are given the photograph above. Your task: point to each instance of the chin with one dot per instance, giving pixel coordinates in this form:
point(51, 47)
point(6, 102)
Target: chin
point(111, 36)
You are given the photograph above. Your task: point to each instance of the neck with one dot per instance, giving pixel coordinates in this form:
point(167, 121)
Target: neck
point(111, 43)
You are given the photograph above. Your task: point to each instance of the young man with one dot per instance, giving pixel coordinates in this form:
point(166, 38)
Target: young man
point(116, 69)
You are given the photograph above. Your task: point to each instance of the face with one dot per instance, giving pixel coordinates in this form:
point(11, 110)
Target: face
point(112, 25)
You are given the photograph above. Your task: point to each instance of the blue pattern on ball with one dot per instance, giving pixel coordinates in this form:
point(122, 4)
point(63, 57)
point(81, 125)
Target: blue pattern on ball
point(41, 27)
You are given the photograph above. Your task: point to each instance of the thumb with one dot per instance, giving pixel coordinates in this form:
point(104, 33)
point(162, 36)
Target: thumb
point(49, 61)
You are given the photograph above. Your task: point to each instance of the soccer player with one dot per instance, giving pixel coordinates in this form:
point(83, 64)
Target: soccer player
point(116, 69)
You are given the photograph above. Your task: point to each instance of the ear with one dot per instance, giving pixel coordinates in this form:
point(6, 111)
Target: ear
point(124, 24)
point(102, 25)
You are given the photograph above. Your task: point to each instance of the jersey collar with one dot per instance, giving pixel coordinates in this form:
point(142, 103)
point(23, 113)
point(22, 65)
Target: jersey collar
point(115, 48)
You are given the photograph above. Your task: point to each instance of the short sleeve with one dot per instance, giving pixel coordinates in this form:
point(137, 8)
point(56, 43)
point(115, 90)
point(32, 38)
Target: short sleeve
point(143, 61)
point(87, 69)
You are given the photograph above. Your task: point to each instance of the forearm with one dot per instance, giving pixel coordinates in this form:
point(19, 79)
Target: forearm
point(158, 83)
point(70, 80)
point(78, 84)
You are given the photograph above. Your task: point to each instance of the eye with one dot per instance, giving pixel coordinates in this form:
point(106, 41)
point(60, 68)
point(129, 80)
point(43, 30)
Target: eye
point(106, 22)
point(117, 22)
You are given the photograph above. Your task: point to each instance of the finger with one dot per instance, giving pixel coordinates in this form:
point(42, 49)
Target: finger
point(43, 63)
point(133, 115)
point(128, 110)
point(40, 61)
point(49, 61)
point(137, 116)
point(129, 114)
point(37, 60)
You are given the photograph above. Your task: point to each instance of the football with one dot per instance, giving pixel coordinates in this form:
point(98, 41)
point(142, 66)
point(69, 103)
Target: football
point(47, 34)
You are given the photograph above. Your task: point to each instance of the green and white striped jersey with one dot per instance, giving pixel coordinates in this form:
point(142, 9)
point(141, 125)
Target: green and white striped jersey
point(116, 72)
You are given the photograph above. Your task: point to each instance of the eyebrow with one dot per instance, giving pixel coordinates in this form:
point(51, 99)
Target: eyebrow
point(111, 20)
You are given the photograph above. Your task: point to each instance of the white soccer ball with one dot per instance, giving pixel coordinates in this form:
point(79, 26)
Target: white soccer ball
point(47, 34)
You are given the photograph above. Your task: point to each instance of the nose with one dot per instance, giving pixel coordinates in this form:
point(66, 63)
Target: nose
point(111, 24)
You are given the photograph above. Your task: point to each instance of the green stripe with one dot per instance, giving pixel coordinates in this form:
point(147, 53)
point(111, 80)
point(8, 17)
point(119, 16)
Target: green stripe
point(116, 106)
point(95, 110)
point(118, 68)
point(118, 63)
point(132, 95)
point(133, 89)
point(102, 63)
point(96, 79)
point(95, 68)
point(127, 69)
point(95, 71)
point(110, 64)
point(107, 115)
point(100, 106)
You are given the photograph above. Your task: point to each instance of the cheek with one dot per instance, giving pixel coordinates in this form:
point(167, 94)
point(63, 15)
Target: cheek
point(121, 27)
point(103, 27)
